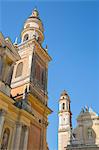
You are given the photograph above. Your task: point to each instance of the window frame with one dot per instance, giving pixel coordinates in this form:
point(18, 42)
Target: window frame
point(17, 73)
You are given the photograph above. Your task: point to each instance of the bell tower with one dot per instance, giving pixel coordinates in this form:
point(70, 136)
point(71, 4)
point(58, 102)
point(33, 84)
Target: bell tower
point(64, 130)
point(29, 80)
point(31, 71)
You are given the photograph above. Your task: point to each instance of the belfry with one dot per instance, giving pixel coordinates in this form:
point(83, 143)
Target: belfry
point(31, 70)
point(85, 136)
point(26, 106)
point(65, 125)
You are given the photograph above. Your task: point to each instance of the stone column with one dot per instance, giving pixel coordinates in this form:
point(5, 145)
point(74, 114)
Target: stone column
point(2, 118)
point(17, 136)
point(25, 143)
point(44, 142)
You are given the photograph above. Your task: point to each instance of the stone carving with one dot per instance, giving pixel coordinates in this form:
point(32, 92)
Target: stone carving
point(82, 111)
point(86, 108)
point(5, 139)
point(45, 123)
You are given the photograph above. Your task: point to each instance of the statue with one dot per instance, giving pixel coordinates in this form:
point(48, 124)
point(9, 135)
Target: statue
point(82, 111)
point(86, 108)
point(5, 139)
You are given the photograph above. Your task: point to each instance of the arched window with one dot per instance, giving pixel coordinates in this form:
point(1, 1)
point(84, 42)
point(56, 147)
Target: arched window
point(5, 139)
point(26, 37)
point(63, 106)
point(19, 69)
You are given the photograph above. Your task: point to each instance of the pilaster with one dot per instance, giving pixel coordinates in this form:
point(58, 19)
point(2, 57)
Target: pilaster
point(2, 118)
point(17, 136)
point(25, 143)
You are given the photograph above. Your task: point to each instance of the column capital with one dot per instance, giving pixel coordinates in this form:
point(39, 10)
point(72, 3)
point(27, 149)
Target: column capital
point(45, 123)
point(25, 127)
point(21, 124)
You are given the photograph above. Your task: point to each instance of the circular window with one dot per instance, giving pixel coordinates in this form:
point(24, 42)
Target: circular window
point(26, 37)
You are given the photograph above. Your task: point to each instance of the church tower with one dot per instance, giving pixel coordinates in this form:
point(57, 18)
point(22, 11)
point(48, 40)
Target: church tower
point(29, 80)
point(65, 126)
point(31, 71)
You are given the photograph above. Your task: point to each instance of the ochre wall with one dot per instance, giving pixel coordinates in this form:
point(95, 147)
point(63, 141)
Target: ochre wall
point(34, 138)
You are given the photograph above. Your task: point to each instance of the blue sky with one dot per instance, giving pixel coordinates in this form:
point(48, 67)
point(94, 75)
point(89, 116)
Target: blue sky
point(72, 36)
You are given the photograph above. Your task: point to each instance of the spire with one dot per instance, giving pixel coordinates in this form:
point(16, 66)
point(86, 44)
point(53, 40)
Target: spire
point(64, 93)
point(46, 48)
point(16, 41)
point(35, 13)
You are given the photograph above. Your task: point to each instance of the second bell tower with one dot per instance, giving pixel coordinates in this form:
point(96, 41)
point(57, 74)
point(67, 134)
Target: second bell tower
point(64, 130)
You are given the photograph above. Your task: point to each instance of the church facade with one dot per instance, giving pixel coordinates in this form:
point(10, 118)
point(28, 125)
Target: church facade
point(85, 136)
point(23, 89)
